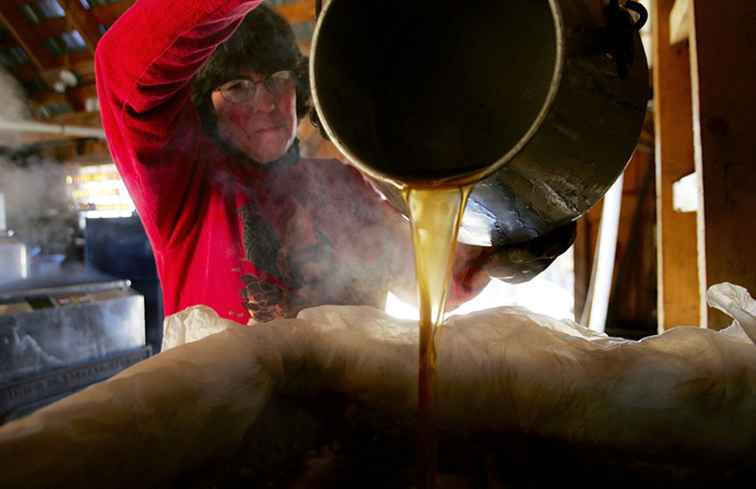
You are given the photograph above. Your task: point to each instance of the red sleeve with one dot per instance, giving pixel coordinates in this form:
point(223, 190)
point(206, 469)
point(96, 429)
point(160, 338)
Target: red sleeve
point(144, 66)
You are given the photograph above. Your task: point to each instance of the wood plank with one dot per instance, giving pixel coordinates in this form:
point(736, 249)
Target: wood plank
point(23, 31)
point(81, 93)
point(49, 27)
point(677, 252)
point(84, 119)
point(8, 43)
point(46, 27)
point(679, 22)
point(82, 63)
point(33, 38)
point(83, 22)
point(583, 256)
point(25, 72)
point(107, 14)
point(724, 114)
point(633, 304)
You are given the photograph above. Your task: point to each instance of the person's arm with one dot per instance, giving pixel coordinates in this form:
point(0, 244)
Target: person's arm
point(144, 66)
point(475, 266)
point(468, 275)
point(515, 263)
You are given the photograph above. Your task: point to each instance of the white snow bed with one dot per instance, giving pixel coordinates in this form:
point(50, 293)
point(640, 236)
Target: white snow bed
point(684, 400)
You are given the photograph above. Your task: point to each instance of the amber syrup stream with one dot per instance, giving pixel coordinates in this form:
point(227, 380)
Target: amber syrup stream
point(435, 218)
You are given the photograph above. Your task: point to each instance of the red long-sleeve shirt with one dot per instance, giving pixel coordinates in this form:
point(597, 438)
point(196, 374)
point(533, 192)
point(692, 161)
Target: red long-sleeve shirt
point(247, 240)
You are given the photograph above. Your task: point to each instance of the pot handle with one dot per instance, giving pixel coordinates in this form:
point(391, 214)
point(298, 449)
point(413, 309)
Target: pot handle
point(620, 33)
point(642, 14)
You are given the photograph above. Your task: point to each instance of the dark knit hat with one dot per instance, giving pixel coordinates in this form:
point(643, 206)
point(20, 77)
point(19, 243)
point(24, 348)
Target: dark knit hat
point(264, 43)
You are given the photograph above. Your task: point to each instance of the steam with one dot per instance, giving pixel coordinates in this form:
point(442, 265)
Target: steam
point(346, 245)
point(38, 206)
point(13, 107)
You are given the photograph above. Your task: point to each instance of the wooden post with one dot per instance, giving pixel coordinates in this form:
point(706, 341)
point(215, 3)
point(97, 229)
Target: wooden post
point(722, 40)
point(679, 295)
point(679, 22)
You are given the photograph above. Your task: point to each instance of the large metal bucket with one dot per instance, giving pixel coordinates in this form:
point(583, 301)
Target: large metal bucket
point(538, 101)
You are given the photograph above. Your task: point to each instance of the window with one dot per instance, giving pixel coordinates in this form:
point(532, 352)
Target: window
point(50, 9)
point(14, 56)
point(55, 45)
point(66, 42)
point(73, 41)
point(30, 13)
point(42, 10)
point(19, 55)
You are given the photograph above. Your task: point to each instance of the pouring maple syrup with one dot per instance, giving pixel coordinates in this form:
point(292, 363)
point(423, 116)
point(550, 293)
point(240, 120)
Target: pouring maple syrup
point(429, 98)
point(435, 216)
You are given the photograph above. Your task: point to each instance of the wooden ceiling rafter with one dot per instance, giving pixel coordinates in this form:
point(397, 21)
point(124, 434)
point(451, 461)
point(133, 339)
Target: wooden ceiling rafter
point(8, 43)
point(86, 24)
point(44, 65)
point(23, 31)
point(107, 14)
point(25, 72)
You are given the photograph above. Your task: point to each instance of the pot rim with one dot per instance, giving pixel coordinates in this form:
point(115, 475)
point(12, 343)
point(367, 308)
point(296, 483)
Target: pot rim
point(465, 179)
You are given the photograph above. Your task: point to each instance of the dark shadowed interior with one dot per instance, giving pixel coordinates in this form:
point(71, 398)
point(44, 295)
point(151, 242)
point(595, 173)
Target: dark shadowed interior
point(425, 90)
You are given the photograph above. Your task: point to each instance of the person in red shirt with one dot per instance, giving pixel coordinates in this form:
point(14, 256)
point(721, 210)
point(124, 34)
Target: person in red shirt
point(201, 102)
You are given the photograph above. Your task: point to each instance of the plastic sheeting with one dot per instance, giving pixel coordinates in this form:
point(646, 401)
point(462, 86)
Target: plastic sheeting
point(688, 394)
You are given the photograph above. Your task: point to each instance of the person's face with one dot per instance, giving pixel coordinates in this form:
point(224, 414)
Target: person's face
point(256, 116)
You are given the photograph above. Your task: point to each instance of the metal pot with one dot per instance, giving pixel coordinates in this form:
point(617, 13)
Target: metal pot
point(539, 102)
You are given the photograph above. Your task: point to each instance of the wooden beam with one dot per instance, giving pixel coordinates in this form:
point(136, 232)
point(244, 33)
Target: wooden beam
point(78, 119)
point(83, 22)
point(25, 72)
point(8, 43)
point(56, 25)
point(83, 119)
point(33, 38)
point(48, 27)
point(679, 22)
point(23, 31)
point(724, 115)
point(81, 63)
point(80, 94)
point(107, 14)
point(31, 138)
point(677, 253)
point(583, 256)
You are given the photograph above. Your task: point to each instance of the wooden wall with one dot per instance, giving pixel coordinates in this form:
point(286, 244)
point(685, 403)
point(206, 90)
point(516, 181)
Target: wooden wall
point(705, 83)
point(632, 307)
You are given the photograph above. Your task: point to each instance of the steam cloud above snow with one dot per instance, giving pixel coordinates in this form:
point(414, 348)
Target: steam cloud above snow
point(37, 204)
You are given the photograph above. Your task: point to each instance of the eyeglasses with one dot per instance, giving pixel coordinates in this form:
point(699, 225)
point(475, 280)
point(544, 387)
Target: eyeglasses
point(243, 89)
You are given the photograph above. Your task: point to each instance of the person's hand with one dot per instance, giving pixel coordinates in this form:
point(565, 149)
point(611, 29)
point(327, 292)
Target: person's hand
point(522, 262)
point(475, 266)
